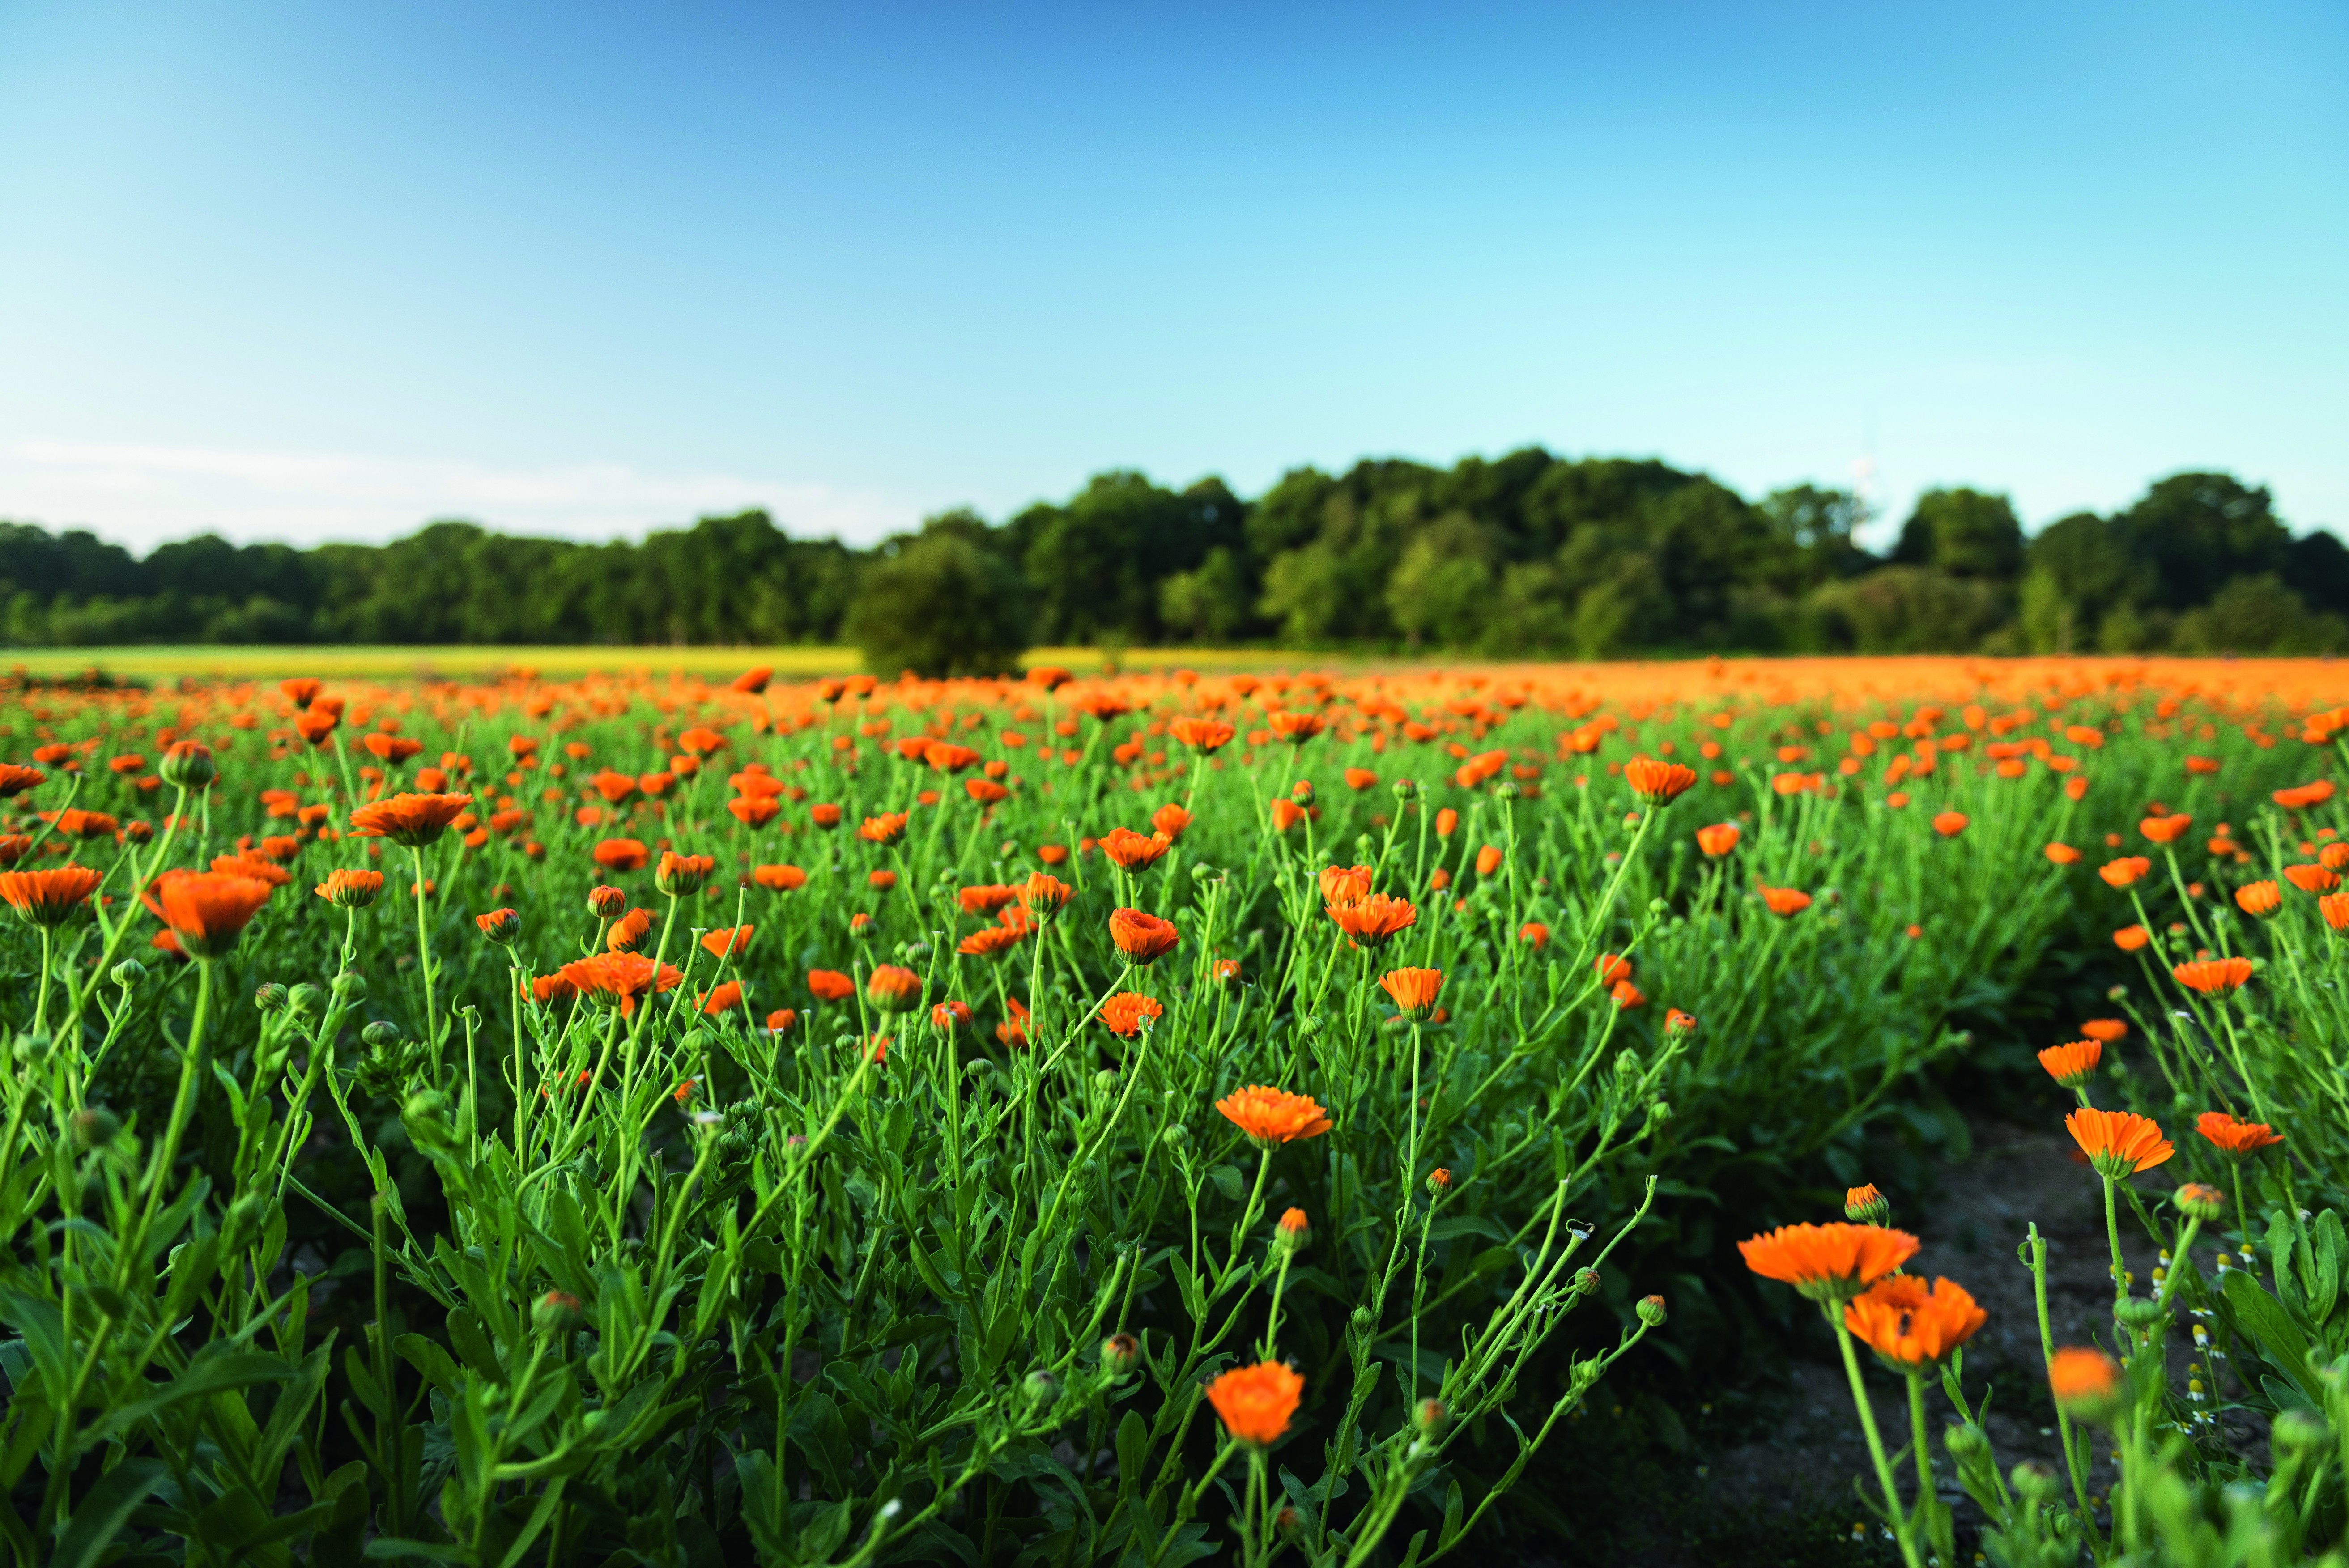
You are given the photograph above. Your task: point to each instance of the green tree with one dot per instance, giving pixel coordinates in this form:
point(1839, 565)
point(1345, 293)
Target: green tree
point(1963, 532)
point(945, 602)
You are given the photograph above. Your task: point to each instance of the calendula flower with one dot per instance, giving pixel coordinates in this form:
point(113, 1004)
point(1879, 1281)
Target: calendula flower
point(1534, 934)
point(779, 879)
point(2213, 976)
point(1864, 1205)
point(1255, 1403)
point(622, 855)
point(1128, 1012)
point(15, 778)
point(681, 876)
point(1013, 1031)
point(2108, 1030)
point(618, 979)
point(1785, 901)
point(2259, 898)
point(1828, 1262)
point(2235, 1138)
point(781, 1020)
point(2301, 797)
point(1718, 839)
point(2118, 1143)
point(48, 898)
point(1296, 728)
point(2199, 1201)
point(722, 998)
point(1375, 920)
point(499, 925)
point(1133, 851)
point(1910, 1327)
point(885, 828)
point(1141, 938)
point(1201, 735)
point(2063, 854)
point(754, 811)
point(1170, 819)
point(2129, 938)
point(208, 911)
point(2166, 830)
point(730, 942)
point(1950, 824)
point(894, 988)
point(2086, 1383)
point(1413, 990)
point(1344, 885)
point(629, 930)
point(2311, 879)
point(1043, 895)
point(990, 941)
point(950, 1016)
point(1270, 1115)
point(2125, 871)
point(829, 985)
point(2074, 1064)
point(411, 820)
point(1657, 782)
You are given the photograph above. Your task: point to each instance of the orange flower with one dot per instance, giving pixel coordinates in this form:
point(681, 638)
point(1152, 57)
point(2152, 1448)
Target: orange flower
point(779, 879)
point(411, 820)
point(1375, 920)
point(699, 741)
point(751, 682)
point(985, 898)
point(1446, 820)
point(1170, 819)
point(2063, 854)
point(755, 811)
point(1910, 1327)
point(2074, 1064)
point(1828, 1262)
point(723, 998)
point(2118, 1143)
point(208, 911)
point(2129, 938)
point(2107, 1031)
point(2235, 1138)
point(1612, 968)
point(15, 778)
point(317, 724)
point(1864, 1205)
point(728, 943)
point(1286, 814)
point(1785, 900)
point(1344, 885)
point(1143, 938)
point(2300, 797)
point(1950, 824)
point(1131, 850)
point(1657, 782)
point(1269, 1116)
point(945, 756)
point(1413, 990)
point(2334, 908)
point(254, 866)
point(781, 1020)
point(1043, 895)
point(1202, 735)
point(1534, 934)
point(1360, 779)
point(884, 829)
point(392, 750)
point(882, 880)
point(682, 875)
point(619, 978)
point(2166, 830)
point(77, 824)
point(1488, 861)
point(2311, 879)
point(826, 817)
point(50, 897)
point(1013, 1031)
point(893, 988)
point(1256, 1402)
point(1626, 996)
point(1296, 728)
point(985, 792)
point(829, 985)
point(2126, 870)
point(992, 942)
point(622, 855)
point(950, 1016)
point(1718, 839)
point(550, 988)
point(2087, 1383)
point(1128, 1012)
point(2213, 976)
point(628, 930)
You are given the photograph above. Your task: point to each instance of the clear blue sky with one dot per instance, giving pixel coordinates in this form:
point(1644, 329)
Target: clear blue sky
point(309, 271)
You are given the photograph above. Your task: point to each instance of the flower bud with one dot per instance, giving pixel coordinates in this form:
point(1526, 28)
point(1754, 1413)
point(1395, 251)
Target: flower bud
point(1361, 1319)
point(137, 833)
point(2298, 1431)
point(2036, 1482)
point(1301, 791)
point(1175, 1136)
point(1866, 1206)
point(351, 985)
point(2199, 1201)
point(1105, 1082)
point(1584, 1281)
point(1293, 1231)
point(499, 925)
point(96, 1128)
point(1505, 791)
point(1965, 1441)
point(558, 1312)
point(1650, 1309)
point(380, 1034)
point(2139, 1312)
point(606, 902)
point(1439, 1182)
point(1042, 1389)
point(1430, 1419)
point(129, 973)
point(1119, 1354)
point(188, 765)
point(270, 997)
point(305, 1000)
point(1289, 1526)
point(1403, 789)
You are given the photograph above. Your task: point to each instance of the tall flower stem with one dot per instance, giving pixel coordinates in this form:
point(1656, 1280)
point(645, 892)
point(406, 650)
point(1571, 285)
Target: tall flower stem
point(1875, 1441)
point(183, 1103)
point(424, 962)
point(2113, 1236)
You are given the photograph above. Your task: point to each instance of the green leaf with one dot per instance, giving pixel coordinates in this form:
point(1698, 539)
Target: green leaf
point(823, 1536)
point(438, 1367)
point(1229, 1182)
point(2278, 1337)
point(1133, 1449)
point(384, 1546)
point(205, 1374)
point(105, 1510)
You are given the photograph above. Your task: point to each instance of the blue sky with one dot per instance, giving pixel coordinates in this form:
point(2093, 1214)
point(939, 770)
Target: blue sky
point(305, 272)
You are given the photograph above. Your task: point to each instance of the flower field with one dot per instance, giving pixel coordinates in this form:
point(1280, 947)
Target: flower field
point(1142, 1118)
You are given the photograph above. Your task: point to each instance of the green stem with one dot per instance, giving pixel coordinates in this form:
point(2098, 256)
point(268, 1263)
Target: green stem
point(1875, 1442)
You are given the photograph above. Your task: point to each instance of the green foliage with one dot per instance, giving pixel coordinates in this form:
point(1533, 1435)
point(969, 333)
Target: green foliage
point(945, 602)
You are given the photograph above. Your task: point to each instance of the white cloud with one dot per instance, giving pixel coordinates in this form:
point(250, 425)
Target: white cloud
point(144, 495)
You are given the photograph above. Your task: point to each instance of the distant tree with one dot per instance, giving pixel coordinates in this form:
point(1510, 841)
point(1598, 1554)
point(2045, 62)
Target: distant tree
point(1962, 533)
point(945, 602)
point(1910, 610)
point(2197, 532)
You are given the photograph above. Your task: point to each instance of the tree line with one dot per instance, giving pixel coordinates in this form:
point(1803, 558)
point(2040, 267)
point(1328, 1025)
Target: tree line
point(1528, 555)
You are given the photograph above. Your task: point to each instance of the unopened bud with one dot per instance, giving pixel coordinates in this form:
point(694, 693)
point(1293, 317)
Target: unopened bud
point(129, 973)
point(1293, 1231)
point(1041, 1388)
point(2139, 1312)
point(380, 1034)
point(606, 902)
point(1290, 1524)
point(2036, 1482)
point(1506, 791)
point(1301, 791)
point(1584, 1281)
point(188, 765)
point(351, 985)
point(1866, 1206)
point(270, 997)
point(1119, 1354)
point(1965, 1441)
point(1439, 1182)
point(1652, 1311)
point(1105, 1081)
point(96, 1128)
point(1403, 789)
point(1430, 1419)
point(499, 925)
point(2199, 1201)
point(558, 1312)
point(303, 1000)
